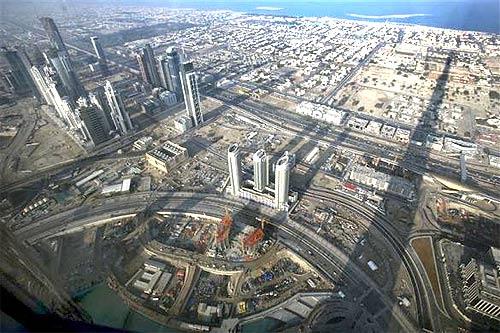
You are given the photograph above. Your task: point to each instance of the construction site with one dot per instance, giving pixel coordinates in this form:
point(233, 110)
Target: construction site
point(217, 238)
point(469, 216)
point(202, 270)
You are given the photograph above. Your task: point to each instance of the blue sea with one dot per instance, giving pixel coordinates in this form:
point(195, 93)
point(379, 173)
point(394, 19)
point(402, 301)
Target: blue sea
point(470, 15)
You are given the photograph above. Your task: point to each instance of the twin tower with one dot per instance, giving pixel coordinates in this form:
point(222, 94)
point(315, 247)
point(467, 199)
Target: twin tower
point(261, 185)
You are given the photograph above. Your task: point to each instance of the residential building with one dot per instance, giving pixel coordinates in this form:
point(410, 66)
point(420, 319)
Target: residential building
point(234, 164)
point(282, 182)
point(191, 94)
point(261, 170)
point(119, 115)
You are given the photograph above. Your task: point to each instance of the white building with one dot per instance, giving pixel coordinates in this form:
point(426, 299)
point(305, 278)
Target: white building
point(282, 182)
point(168, 98)
point(261, 170)
point(382, 181)
point(119, 115)
point(373, 127)
point(321, 112)
point(434, 142)
point(402, 135)
point(191, 94)
point(234, 164)
point(183, 123)
point(357, 123)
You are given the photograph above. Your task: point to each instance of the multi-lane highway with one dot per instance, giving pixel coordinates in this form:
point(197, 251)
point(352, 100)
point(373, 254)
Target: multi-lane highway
point(89, 216)
point(415, 159)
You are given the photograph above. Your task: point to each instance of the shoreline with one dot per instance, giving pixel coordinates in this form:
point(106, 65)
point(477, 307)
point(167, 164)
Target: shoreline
point(391, 18)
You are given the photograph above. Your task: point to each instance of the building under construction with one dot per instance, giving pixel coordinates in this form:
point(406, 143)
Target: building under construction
point(223, 231)
point(254, 237)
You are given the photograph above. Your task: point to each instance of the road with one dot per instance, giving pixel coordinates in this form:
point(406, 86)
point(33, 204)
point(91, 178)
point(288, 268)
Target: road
point(89, 216)
point(417, 159)
point(12, 150)
point(351, 74)
point(427, 307)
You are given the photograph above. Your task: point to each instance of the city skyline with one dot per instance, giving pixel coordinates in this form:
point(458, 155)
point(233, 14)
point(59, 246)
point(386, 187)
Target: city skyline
point(250, 169)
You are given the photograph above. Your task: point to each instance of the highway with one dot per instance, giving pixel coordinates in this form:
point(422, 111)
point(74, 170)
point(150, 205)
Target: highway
point(417, 160)
point(90, 215)
point(428, 310)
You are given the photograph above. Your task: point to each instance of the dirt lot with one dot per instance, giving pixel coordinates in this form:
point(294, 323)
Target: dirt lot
point(423, 247)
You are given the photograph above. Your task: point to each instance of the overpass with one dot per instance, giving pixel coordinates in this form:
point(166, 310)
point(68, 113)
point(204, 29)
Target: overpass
point(108, 209)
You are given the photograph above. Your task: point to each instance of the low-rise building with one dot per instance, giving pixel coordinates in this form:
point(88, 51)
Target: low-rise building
point(481, 288)
point(357, 123)
point(167, 98)
point(143, 143)
point(321, 112)
point(388, 131)
point(402, 135)
point(124, 186)
point(373, 127)
point(183, 123)
point(434, 142)
point(166, 157)
point(494, 161)
point(382, 181)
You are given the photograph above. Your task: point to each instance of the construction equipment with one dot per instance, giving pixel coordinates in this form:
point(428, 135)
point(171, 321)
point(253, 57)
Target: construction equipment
point(224, 227)
point(256, 236)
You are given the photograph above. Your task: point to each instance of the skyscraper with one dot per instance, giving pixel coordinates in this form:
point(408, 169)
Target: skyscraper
point(20, 75)
point(173, 69)
point(260, 170)
point(99, 52)
point(42, 85)
point(98, 99)
point(119, 115)
point(282, 182)
point(234, 164)
point(95, 123)
point(191, 95)
point(53, 33)
point(64, 68)
point(48, 89)
point(146, 59)
point(165, 80)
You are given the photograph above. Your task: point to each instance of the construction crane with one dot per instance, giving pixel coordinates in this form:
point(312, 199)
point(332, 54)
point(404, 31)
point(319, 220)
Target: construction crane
point(256, 236)
point(224, 227)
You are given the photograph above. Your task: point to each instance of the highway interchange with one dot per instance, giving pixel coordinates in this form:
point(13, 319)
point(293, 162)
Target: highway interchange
point(90, 215)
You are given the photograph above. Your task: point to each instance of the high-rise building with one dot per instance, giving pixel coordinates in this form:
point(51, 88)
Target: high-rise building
point(95, 123)
point(282, 182)
point(163, 72)
point(260, 170)
point(191, 94)
point(173, 72)
point(53, 33)
point(119, 115)
point(234, 164)
point(20, 76)
point(99, 52)
point(64, 69)
point(146, 59)
point(42, 84)
point(48, 89)
point(98, 99)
